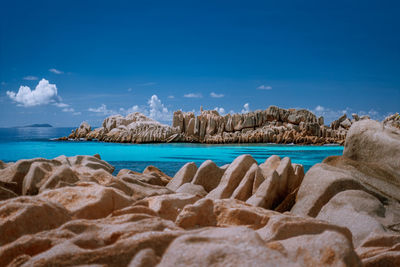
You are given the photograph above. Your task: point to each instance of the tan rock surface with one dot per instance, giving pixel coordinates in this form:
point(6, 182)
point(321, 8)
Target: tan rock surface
point(184, 175)
point(359, 190)
point(88, 200)
point(273, 125)
point(232, 177)
point(169, 206)
point(346, 210)
point(133, 128)
point(208, 175)
point(29, 215)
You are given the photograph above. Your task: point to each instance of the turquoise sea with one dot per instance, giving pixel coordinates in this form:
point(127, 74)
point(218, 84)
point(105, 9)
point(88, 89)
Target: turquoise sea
point(24, 143)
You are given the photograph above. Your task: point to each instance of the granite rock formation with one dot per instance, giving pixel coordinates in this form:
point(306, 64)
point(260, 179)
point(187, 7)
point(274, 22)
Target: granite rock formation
point(273, 125)
point(361, 191)
point(134, 128)
point(392, 120)
point(73, 211)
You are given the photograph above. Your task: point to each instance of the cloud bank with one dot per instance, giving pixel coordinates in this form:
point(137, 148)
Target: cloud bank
point(193, 95)
point(246, 108)
point(220, 110)
point(56, 71)
point(215, 95)
point(30, 78)
point(333, 114)
point(44, 93)
point(155, 110)
point(264, 87)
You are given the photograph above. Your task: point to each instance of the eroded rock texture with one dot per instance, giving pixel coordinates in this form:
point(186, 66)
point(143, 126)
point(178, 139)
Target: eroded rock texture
point(71, 211)
point(273, 125)
point(361, 191)
point(134, 128)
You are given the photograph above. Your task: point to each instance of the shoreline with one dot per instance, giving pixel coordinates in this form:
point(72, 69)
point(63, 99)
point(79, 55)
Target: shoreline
point(194, 143)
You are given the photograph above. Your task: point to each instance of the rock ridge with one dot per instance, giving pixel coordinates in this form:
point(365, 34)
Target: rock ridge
point(273, 125)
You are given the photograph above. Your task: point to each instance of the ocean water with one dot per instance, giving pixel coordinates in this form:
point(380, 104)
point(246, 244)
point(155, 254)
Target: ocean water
point(24, 143)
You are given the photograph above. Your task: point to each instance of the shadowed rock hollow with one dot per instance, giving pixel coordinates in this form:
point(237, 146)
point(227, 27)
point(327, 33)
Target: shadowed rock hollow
point(73, 211)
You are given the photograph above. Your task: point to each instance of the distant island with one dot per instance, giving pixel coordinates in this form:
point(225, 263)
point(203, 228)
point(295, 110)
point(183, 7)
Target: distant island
point(37, 125)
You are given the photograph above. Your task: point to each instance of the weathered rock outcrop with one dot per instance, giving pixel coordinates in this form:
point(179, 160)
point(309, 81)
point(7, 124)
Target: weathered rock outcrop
point(82, 131)
point(392, 120)
point(72, 211)
point(360, 190)
point(76, 212)
point(134, 128)
point(272, 184)
point(273, 125)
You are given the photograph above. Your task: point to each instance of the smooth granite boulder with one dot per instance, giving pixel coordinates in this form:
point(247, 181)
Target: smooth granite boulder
point(184, 175)
point(208, 175)
point(29, 215)
point(232, 177)
point(359, 190)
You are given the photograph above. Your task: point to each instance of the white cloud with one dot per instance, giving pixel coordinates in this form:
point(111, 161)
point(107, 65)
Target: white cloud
point(171, 97)
point(333, 114)
point(319, 108)
point(43, 94)
point(375, 115)
point(61, 105)
point(329, 114)
point(220, 110)
point(103, 110)
point(246, 108)
point(157, 110)
point(30, 78)
point(129, 89)
point(215, 95)
point(56, 71)
point(130, 110)
point(193, 95)
point(71, 110)
point(264, 87)
point(68, 110)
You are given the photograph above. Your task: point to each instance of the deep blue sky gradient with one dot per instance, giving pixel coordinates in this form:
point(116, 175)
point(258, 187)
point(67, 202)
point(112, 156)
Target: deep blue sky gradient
point(341, 55)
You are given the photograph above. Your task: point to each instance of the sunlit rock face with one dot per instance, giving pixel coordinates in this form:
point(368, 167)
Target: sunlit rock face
point(360, 190)
point(273, 125)
point(134, 128)
point(73, 211)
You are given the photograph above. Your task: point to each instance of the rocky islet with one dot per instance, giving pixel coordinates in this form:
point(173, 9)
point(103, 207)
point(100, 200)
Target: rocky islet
point(273, 125)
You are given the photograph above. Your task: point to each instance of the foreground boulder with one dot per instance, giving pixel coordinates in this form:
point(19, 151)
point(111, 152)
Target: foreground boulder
point(244, 247)
point(76, 212)
point(359, 190)
point(272, 184)
point(73, 211)
point(29, 215)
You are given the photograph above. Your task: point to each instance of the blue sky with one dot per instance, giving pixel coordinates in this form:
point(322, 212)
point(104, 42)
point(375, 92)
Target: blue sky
point(106, 57)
